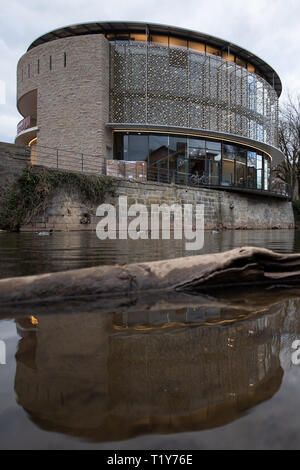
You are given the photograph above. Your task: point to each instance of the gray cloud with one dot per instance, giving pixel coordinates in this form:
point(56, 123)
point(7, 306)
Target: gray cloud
point(268, 28)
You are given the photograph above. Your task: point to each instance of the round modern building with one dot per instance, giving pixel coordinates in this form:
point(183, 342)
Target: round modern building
point(197, 109)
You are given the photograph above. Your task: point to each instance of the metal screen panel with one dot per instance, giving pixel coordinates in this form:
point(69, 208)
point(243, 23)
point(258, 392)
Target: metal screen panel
point(154, 84)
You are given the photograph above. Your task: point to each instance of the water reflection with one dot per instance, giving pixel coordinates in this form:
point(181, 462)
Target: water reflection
point(27, 253)
point(147, 369)
point(169, 367)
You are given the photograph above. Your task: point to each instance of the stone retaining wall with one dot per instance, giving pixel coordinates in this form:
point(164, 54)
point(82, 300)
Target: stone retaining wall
point(13, 161)
point(223, 209)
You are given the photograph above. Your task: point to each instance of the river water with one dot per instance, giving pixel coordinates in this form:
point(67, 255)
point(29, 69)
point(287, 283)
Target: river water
point(180, 372)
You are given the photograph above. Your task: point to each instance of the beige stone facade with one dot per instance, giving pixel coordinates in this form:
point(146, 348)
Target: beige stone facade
point(70, 78)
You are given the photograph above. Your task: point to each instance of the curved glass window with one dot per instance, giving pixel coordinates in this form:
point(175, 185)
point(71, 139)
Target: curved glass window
point(251, 166)
point(259, 175)
point(138, 37)
point(178, 42)
point(158, 157)
point(197, 46)
point(183, 160)
point(173, 41)
point(267, 173)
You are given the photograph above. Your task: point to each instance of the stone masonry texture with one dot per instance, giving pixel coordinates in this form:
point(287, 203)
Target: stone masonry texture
point(223, 210)
point(72, 100)
point(13, 161)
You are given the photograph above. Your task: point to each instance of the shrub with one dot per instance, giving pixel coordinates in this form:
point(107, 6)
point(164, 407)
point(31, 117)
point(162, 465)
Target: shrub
point(31, 193)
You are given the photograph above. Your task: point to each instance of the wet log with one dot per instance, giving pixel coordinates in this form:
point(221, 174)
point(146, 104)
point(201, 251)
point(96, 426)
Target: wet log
point(197, 274)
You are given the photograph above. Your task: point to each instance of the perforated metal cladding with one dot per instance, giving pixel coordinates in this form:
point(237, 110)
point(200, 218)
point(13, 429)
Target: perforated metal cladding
point(152, 84)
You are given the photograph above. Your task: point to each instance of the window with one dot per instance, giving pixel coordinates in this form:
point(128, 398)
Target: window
point(198, 170)
point(241, 154)
point(197, 148)
point(138, 148)
point(229, 150)
point(160, 39)
point(50, 62)
point(158, 149)
point(213, 150)
point(138, 37)
point(177, 42)
point(159, 157)
point(118, 146)
point(197, 159)
point(178, 162)
point(122, 37)
point(213, 172)
point(38, 66)
point(197, 46)
point(65, 59)
point(241, 173)
point(227, 56)
point(240, 62)
point(190, 160)
point(266, 173)
point(259, 167)
point(204, 159)
point(213, 50)
point(228, 171)
point(251, 178)
point(125, 147)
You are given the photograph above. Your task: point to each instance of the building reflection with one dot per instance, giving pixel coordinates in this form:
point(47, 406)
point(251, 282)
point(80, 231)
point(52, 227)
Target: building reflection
point(112, 377)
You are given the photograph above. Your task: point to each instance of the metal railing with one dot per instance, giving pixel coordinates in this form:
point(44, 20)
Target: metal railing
point(163, 175)
point(63, 159)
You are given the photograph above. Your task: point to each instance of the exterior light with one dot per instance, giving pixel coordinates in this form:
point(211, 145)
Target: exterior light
point(33, 141)
point(34, 321)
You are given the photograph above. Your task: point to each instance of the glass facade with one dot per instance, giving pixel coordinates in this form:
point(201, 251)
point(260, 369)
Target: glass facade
point(178, 87)
point(175, 41)
point(195, 161)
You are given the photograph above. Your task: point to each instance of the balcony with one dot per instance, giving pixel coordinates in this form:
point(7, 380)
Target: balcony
point(26, 131)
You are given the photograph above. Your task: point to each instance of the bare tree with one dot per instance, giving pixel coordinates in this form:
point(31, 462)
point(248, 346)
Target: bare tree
point(289, 144)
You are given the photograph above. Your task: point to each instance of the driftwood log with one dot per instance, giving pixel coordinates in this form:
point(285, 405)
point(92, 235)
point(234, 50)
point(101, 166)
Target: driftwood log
point(196, 274)
point(239, 267)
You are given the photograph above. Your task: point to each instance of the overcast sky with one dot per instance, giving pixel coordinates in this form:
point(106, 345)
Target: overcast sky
point(268, 28)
